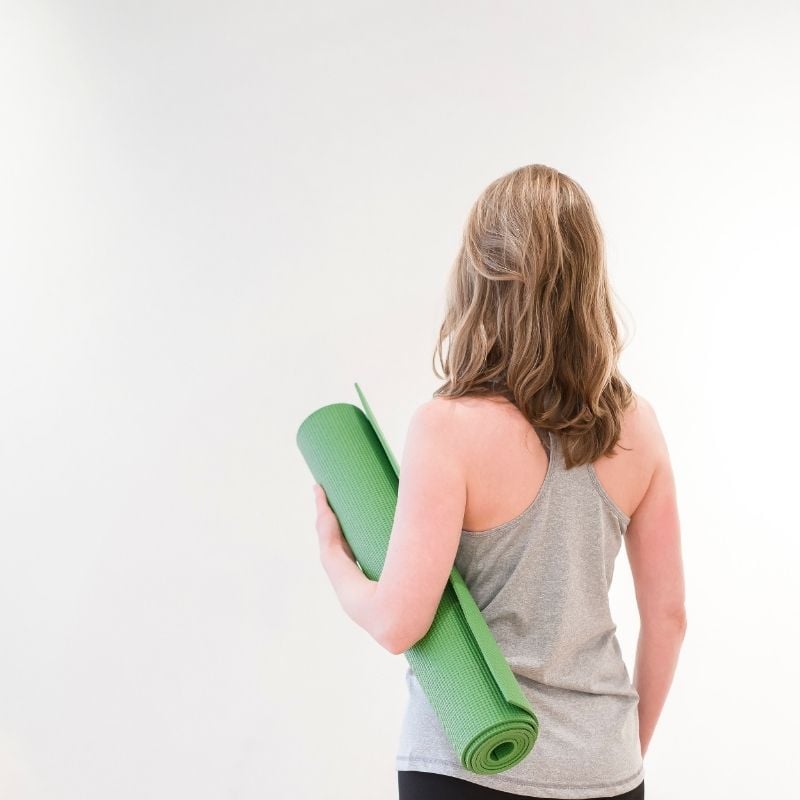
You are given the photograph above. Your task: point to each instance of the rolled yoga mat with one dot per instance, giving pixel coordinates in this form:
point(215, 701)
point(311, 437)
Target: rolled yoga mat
point(458, 663)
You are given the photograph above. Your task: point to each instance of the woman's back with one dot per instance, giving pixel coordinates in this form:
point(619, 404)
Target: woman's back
point(537, 551)
point(529, 322)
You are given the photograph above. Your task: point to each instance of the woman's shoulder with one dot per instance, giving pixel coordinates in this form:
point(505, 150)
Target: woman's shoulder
point(642, 433)
point(470, 428)
point(638, 458)
point(438, 417)
point(457, 416)
point(461, 420)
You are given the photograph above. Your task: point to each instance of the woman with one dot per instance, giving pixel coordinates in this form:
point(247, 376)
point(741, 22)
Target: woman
point(528, 469)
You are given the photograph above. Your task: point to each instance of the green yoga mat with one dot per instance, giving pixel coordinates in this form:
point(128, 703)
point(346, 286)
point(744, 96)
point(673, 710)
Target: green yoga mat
point(458, 663)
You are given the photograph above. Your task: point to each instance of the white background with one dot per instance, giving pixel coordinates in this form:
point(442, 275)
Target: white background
point(215, 218)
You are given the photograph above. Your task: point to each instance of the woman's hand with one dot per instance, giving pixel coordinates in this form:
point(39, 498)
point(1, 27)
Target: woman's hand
point(356, 592)
point(331, 538)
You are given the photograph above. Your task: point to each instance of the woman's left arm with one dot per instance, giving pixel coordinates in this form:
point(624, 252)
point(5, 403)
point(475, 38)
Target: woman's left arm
point(397, 610)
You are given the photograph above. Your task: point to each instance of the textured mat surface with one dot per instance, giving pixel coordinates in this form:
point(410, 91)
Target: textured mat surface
point(458, 663)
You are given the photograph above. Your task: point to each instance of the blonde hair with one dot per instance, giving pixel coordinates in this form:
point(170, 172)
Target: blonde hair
point(529, 315)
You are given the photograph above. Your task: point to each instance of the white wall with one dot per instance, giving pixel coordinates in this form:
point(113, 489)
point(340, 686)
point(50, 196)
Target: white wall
point(215, 218)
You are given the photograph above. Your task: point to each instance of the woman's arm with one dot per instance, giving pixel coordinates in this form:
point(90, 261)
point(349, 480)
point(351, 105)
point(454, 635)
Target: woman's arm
point(398, 609)
point(653, 545)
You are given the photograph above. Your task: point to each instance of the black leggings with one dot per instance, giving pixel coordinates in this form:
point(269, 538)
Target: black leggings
point(414, 785)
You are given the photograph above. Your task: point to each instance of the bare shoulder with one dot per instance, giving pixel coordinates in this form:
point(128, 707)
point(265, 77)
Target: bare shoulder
point(435, 417)
point(643, 416)
point(434, 439)
point(437, 410)
point(463, 410)
point(649, 455)
point(637, 458)
point(454, 422)
point(642, 433)
point(439, 419)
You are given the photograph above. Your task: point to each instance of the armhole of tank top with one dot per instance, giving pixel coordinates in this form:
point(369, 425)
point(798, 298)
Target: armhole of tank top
point(618, 512)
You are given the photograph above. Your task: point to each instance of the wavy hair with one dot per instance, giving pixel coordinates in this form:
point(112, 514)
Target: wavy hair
point(529, 315)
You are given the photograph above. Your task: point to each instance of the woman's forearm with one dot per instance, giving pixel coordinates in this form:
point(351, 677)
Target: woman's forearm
point(657, 652)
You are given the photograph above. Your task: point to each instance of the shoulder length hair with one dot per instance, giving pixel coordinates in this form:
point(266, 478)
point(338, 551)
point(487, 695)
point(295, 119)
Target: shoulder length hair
point(529, 315)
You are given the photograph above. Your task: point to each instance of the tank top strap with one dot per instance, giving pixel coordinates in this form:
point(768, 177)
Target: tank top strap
point(557, 472)
point(554, 453)
point(581, 480)
point(546, 438)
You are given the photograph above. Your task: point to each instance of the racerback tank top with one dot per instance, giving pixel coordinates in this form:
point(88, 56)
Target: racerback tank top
point(541, 581)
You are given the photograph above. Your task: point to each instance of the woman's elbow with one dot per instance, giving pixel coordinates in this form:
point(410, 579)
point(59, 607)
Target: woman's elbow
point(395, 647)
point(399, 638)
point(673, 619)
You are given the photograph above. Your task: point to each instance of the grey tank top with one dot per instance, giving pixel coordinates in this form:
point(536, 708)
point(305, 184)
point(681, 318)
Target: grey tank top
point(541, 581)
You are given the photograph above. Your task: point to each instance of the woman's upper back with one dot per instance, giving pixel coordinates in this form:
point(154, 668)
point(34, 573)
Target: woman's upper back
point(507, 462)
